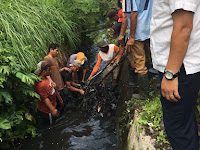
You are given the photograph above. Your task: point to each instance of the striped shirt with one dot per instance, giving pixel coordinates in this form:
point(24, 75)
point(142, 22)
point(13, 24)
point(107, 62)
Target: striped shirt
point(144, 9)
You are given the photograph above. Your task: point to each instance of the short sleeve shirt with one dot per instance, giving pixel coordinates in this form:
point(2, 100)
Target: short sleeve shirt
point(161, 30)
point(45, 90)
point(66, 75)
point(73, 57)
point(55, 73)
point(144, 9)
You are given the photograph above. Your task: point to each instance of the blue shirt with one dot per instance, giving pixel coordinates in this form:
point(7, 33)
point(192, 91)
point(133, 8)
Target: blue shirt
point(144, 9)
point(73, 57)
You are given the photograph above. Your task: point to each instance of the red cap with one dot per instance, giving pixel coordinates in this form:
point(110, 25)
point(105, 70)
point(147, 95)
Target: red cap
point(120, 15)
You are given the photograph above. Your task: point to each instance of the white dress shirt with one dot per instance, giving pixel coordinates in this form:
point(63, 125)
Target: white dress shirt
point(161, 30)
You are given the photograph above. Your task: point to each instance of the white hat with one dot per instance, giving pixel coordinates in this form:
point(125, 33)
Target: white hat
point(76, 63)
point(41, 66)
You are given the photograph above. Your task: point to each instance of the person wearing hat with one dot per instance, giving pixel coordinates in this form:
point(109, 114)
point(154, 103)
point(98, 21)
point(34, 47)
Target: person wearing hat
point(67, 77)
point(113, 15)
point(46, 106)
point(83, 69)
point(116, 30)
point(55, 69)
point(107, 52)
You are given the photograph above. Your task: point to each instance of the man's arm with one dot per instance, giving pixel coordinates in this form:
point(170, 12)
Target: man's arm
point(64, 68)
point(53, 83)
point(123, 29)
point(121, 51)
point(131, 40)
point(182, 27)
point(50, 106)
point(96, 67)
point(75, 84)
point(84, 73)
point(71, 88)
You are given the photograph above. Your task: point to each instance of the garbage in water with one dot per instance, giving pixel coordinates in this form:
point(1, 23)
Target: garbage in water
point(100, 101)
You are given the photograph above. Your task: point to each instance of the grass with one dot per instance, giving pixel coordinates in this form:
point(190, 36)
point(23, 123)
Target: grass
point(30, 26)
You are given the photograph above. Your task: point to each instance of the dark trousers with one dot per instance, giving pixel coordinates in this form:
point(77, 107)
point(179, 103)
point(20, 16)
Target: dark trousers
point(43, 120)
point(63, 96)
point(179, 117)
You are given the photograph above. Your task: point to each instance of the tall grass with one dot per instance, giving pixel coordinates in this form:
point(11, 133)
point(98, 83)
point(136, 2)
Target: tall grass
point(29, 26)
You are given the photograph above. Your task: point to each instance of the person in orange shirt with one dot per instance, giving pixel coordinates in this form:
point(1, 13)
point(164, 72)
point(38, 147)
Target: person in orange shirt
point(106, 53)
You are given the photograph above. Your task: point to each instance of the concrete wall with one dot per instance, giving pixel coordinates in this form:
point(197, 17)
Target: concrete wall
point(139, 141)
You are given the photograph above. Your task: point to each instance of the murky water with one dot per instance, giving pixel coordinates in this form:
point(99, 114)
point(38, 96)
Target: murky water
point(75, 130)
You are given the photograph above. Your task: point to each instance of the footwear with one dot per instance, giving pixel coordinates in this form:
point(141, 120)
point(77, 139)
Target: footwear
point(143, 81)
point(132, 78)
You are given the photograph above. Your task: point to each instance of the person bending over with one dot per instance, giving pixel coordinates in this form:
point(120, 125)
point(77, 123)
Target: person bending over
point(67, 77)
point(107, 52)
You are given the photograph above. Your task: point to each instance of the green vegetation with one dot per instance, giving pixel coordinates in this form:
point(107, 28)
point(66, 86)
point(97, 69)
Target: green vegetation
point(27, 28)
point(151, 117)
point(150, 112)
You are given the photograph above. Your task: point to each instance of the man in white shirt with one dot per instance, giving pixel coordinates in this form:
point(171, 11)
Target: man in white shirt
point(175, 48)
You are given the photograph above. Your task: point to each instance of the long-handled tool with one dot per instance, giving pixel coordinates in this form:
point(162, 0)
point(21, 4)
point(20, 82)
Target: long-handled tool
point(116, 65)
point(100, 72)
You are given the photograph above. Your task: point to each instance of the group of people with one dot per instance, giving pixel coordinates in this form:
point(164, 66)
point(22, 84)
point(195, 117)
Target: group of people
point(172, 28)
point(51, 87)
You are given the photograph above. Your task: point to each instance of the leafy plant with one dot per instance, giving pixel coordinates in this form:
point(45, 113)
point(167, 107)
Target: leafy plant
point(16, 98)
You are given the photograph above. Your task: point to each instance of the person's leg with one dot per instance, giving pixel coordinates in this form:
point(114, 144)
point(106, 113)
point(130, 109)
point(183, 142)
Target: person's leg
point(139, 57)
point(42, 120)
point(105, 73)
point(132, 77)
point(115, 75)
point(141, 70)
point(179, 117)
point(147, 48)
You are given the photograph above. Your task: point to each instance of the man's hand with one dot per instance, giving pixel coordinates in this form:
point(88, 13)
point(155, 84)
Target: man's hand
point(121, 40)
point(130, 44)
point(67, 69)
point(89, 78)
point(112, 62)
point(55, 112)
point(118, 59)
point(81, 91)
point(169, 89)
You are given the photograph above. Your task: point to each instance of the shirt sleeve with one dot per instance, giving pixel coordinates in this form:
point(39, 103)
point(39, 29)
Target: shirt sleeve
point(66, 75)
point(71, 59)
point(96, 67)
point(188, 5)
point(129, 6)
